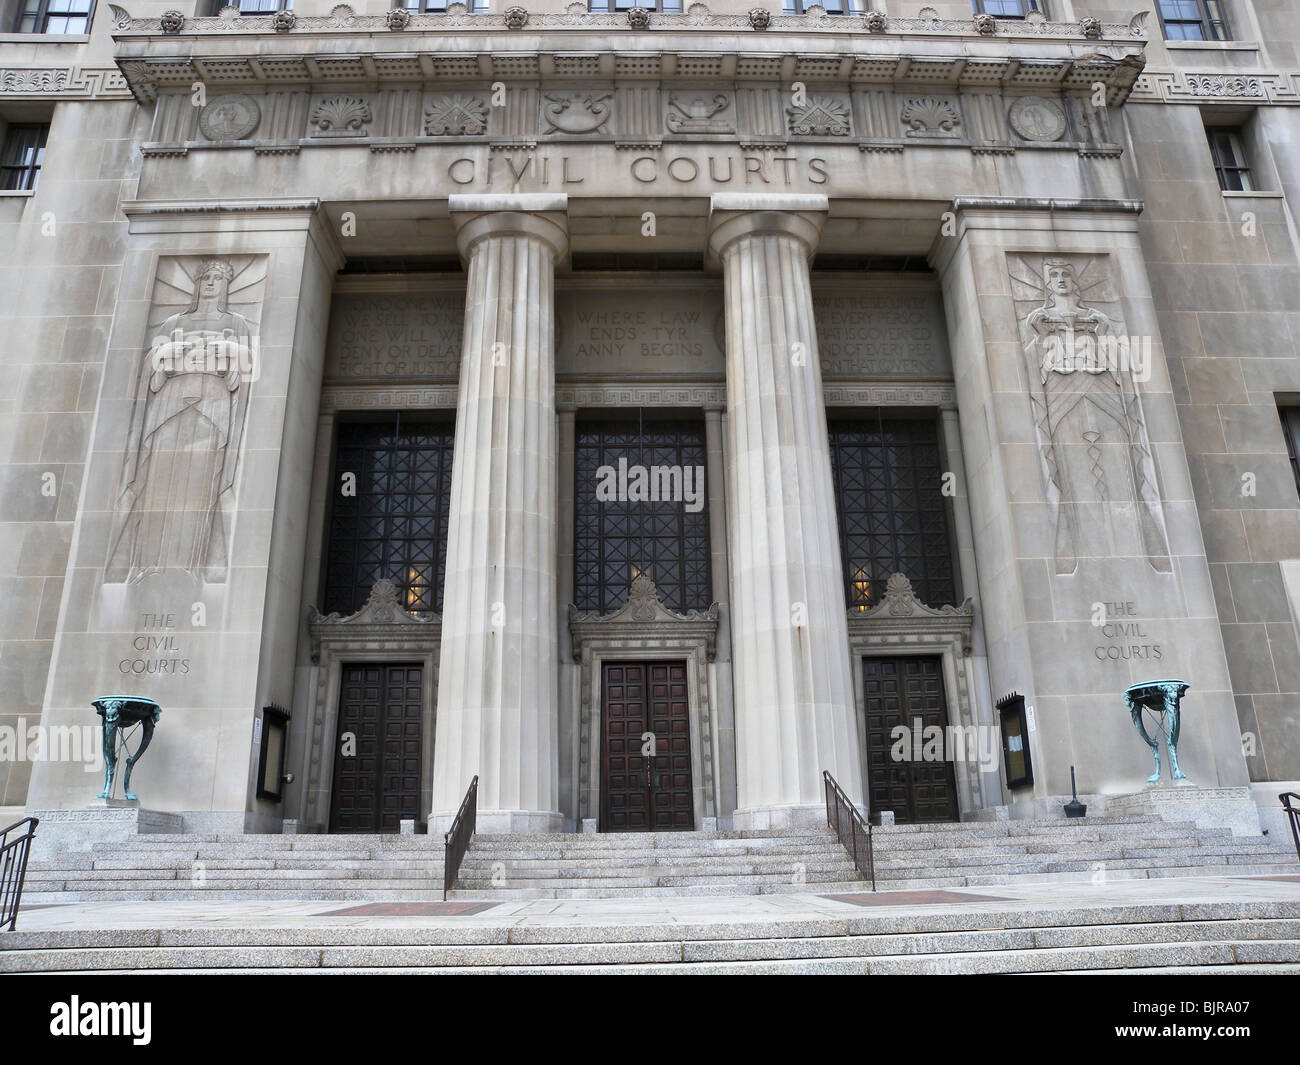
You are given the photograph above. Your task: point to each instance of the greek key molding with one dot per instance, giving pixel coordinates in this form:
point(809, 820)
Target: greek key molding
point(924, 395)
point(633, 395)
point(1252, 87)
point(70, 82)
point(386, 397)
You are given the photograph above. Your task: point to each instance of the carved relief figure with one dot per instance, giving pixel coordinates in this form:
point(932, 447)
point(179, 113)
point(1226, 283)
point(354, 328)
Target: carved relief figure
point(1092, 436)
point(183, 447)
point(576, 112)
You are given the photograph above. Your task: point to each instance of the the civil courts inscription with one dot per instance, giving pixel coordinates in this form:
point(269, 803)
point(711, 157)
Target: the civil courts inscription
point(866, 329)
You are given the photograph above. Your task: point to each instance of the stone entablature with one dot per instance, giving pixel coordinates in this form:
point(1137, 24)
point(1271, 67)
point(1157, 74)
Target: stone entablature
point(70, 82)
point(343, 20)
point(1236, 87)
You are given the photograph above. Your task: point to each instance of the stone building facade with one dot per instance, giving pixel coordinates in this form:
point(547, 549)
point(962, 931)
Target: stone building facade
point(454, 393)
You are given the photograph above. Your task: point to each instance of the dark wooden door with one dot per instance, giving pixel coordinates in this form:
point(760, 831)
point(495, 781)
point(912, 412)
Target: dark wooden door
point(377, 773)
point(640, 793)
point(907, 692)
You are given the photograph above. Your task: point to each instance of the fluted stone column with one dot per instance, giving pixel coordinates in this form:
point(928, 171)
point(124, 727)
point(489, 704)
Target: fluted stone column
point(497, 714)
point(794, 705)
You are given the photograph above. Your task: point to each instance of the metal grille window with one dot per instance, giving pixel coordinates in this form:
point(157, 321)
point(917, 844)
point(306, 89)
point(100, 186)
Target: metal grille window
point(395, 525)
point(892, 514)
point(616, 540)
point(1291, 431)
point(56, 16)
point(1229, 160)
point(1193, 20)
point(24, 152)
point(1005, 8)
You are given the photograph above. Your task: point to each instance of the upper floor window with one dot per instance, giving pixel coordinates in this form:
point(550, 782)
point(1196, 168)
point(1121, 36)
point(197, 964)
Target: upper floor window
point(1291, 431)
point(1193, 20)
point(671, 7)
point(833, 7)
point(1230, 163)
point(1006, 8)
point(253, 7)
point(56, 16)
point(24, 151)
point(422, 6)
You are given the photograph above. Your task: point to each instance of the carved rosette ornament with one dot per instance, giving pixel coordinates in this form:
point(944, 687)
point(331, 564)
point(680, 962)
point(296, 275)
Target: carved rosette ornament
point(455, 116)
point(341, 116)
point(398, 19)
point(1091, 28)
point(760, 18)
point(283, 21)
point(875, 22)
point(821, 116)
point(516, 18)
point(985, 25)
point(638, 18)
point(171, 21)
point(930, 116)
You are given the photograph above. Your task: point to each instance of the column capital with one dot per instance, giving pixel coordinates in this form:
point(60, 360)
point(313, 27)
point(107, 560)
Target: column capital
point(540, 215)
point(733, 215)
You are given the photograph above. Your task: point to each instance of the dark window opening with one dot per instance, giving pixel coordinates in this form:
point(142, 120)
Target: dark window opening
point(1230, 164)
point(1291, 431)
point(24, 152)
point(391, 520)
point(615, 540)
point(892, 513)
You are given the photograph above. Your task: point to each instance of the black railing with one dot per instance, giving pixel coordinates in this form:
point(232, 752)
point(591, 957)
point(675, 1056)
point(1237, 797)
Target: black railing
point(851, 827)
point(1293, 815)
point(457, 840)
point(15, 844)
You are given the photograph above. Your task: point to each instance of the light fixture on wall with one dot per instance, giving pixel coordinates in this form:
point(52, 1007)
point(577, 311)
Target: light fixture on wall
point(861, 589)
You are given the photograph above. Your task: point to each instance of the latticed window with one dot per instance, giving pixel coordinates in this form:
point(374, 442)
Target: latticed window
point(1193, 20)
point(892, 513)
point(389, 519)
point(55, 16)
point(616, 539)
point(22, 156)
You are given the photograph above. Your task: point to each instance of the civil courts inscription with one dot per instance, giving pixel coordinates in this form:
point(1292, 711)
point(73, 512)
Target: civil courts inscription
point(670, 328)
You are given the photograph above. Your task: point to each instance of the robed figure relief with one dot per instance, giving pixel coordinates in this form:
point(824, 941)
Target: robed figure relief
point(186, 429)
point(1091, 433)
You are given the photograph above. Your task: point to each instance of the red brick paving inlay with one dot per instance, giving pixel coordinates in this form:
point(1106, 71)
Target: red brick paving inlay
point(411, 909)
point(905, 898)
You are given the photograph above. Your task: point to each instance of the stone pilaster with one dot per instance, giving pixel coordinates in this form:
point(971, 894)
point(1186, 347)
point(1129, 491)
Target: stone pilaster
point(1087, 544)
point(497, 697)
point(795, 712)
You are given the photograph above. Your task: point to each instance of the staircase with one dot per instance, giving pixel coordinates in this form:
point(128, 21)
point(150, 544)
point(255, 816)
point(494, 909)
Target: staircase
point(1148, 937)
point(644, 865)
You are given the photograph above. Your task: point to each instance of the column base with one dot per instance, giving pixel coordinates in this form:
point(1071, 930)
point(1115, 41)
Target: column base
point(765, 818)
point(504, 823)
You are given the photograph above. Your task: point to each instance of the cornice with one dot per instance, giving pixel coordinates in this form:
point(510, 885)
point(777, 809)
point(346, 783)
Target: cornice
point(343, 20)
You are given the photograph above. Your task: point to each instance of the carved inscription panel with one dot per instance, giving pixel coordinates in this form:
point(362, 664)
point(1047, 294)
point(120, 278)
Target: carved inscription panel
point(866, 332)
point(400, 334)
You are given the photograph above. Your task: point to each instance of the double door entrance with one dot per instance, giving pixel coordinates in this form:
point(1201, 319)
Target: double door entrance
point(645, 766)
point(377, 753)
point(903, 774)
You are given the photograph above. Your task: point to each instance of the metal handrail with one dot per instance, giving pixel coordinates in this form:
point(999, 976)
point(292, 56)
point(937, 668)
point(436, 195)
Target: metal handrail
point(852, 829)
point(13, 869)
point(1293, 815)
point(457, 839)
